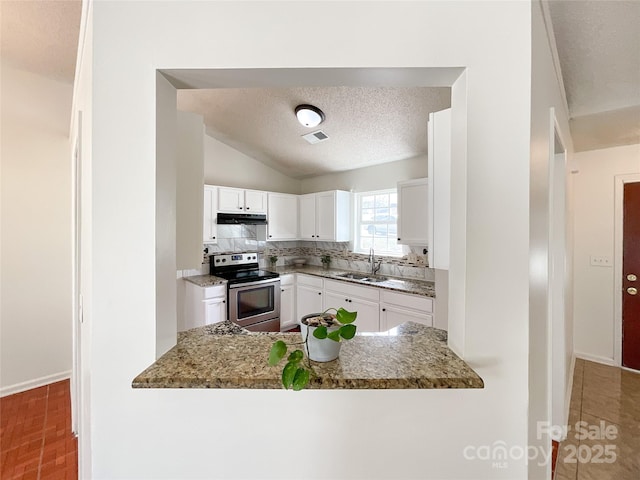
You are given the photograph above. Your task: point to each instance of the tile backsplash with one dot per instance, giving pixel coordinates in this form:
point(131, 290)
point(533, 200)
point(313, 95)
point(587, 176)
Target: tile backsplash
point(243, 238)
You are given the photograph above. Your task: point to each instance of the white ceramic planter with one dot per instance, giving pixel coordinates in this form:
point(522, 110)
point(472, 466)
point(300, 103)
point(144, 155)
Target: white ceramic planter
point(320, 350)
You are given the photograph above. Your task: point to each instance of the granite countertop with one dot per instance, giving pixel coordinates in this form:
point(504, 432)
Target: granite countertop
point(406, 285)
point(224, 355)
point(205, 280)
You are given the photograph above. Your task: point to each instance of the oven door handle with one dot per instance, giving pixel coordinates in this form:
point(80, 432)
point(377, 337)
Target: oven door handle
point(251, 284)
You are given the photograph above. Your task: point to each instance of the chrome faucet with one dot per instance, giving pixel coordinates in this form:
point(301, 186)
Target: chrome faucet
point(372, 260)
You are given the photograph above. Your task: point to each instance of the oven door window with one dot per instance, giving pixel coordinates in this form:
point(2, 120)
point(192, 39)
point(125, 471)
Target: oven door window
point(255, 301)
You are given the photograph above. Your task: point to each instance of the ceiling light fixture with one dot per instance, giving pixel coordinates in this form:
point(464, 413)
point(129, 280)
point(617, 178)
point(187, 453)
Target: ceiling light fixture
point(309, 116)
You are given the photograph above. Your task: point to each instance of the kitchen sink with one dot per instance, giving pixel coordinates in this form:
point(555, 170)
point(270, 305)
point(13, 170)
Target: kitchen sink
point(352, 276)
point(375, 279)
point(362, 278)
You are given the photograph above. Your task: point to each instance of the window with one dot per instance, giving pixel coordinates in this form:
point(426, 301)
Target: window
point(377, 226)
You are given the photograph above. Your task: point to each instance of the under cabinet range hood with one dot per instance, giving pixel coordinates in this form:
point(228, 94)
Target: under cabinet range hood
point(241, 219)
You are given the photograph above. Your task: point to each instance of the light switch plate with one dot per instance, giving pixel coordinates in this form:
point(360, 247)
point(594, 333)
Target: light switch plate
point(601, 261)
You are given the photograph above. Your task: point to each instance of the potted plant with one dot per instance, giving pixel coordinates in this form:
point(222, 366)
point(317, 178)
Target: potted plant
point(273, 259)
point(322, 334)
point(326, 260)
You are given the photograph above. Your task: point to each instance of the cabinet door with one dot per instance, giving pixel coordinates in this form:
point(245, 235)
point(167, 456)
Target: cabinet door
point(255, 201)
point(413, 212)
point(282, 217)
point(326, 216)
point(392, 316)
point(308, 217)
point(308, 300)
point(215, 310)
point(209, 224)
point(230, 199)
point(368, 319)
point(287, 307)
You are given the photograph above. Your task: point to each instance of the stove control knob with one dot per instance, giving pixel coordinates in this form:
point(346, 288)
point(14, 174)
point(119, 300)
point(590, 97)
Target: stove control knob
point(224, 260)
point(217, 260)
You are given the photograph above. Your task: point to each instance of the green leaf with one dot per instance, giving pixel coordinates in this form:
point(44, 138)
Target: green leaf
point(289, 373)
point(320, 332)
point(347, 331)
point(301, 379)
point(296, 356)
point(335, 335)
point(277, 353)
point(346, 317)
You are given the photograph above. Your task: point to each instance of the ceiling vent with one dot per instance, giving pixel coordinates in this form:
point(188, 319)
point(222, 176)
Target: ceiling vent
point(316, 137)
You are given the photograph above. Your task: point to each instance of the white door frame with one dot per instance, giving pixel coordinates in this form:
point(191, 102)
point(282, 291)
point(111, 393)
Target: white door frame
point(557, 281)
point(77, 316)
point(618, 235)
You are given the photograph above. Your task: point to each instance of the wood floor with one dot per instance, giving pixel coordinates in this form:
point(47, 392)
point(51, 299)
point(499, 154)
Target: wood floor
point(35, 435)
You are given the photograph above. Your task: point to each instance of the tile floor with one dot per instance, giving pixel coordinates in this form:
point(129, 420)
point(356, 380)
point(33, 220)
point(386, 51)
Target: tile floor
point(606, 445)
point(35, 435)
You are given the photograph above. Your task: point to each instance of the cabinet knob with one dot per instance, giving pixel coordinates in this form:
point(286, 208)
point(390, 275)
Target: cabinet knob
point(224, 301)
point(213, 238)
point(384, 309)
point(282, 289)
point(319, 293)
point(239, 208)
point(270, 236)
point(399, 239)
point(247, 208)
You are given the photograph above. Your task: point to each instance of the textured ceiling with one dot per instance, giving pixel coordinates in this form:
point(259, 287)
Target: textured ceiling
point(598, 46)
point(41, 36)
point(366, 125)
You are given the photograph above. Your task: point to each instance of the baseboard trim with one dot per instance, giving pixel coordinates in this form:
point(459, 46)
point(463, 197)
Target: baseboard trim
point(38, 382)
point(596, 358)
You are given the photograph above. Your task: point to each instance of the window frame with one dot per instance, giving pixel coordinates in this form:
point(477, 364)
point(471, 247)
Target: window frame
point(359, 222)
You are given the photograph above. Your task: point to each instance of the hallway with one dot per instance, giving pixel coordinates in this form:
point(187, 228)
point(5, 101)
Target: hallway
point(606, 444)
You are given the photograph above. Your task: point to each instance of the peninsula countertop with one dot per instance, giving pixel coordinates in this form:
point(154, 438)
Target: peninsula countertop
point(399, 284)
point(223, 355)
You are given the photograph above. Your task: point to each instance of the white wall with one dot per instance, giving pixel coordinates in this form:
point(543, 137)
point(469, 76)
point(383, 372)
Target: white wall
point(204, 433)
point(224, 165)
point(594, 214)
point(377, 177)
point(545, 93)
point(36, 231)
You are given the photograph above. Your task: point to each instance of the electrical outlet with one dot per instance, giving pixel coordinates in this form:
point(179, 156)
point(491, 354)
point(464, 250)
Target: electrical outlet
point(601, 261)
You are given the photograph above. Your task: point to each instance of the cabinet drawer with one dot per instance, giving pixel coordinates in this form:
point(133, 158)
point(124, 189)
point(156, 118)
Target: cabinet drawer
point(415, 302)
point(286, 280)
point(215, 291)
point(349, 289)
point(309, 280)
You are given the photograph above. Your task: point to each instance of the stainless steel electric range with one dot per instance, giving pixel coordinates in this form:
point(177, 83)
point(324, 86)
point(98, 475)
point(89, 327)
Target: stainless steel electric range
point(253, 294)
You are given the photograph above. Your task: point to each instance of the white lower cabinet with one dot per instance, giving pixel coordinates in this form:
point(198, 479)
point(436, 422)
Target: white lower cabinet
point(308, 295)
point(204, 305)
point(397, 308)
point(355, 298)
point(215, 310)
point(287, 302)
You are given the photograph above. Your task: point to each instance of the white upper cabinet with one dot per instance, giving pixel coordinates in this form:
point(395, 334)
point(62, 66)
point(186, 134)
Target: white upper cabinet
point(238, 200)
point(282, 216)
point(230, 199)
point(325, 216)
point(413, 212)
point(255, 201)
point(308, 217)
point(209, 223)
point(439, 170)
